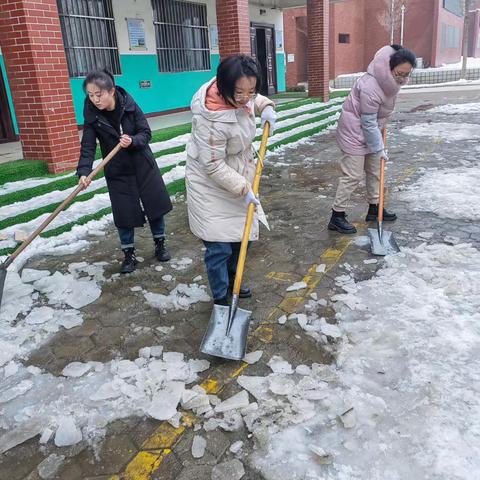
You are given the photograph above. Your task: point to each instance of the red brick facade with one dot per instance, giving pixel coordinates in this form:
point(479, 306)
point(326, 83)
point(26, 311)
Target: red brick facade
point(295, 29)
point(233, 27)
point(34, 55)
point(318, 70)
point(431, 31)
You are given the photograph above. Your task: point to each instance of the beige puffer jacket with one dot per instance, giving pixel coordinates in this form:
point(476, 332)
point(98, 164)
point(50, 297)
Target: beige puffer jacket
point(220, 169)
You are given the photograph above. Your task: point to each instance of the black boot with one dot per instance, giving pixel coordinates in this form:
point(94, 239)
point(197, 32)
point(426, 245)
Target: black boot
point(161, 251)
point(373, 214)
point(339, 222)
point(130, 261)
point(245, 292)
point(221, 301)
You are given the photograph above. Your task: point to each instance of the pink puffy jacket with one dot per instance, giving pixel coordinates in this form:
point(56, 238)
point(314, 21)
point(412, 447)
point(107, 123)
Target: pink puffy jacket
point(374, 92)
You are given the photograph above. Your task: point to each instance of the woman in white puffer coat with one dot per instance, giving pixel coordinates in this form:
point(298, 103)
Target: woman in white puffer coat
point(221, 168)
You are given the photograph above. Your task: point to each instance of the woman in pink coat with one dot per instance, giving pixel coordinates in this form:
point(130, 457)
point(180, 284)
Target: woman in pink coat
point(364, 115)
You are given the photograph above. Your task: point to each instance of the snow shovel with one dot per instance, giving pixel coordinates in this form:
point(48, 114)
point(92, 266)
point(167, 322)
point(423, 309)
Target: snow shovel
point(226, 334)
point(29, 240)
point(382, 242)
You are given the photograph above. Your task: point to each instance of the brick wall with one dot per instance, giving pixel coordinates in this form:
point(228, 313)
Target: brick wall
point(233, 27)
point(295, 31)
point(318, 30)
point(33, 51)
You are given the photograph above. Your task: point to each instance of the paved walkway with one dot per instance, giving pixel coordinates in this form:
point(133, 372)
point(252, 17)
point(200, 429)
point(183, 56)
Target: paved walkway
point(142, 448)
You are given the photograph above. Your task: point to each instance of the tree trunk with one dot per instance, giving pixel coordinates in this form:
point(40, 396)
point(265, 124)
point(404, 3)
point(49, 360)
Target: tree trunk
point(466, 22)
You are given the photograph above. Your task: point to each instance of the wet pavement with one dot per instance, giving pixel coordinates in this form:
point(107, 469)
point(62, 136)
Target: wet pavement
point(297, 190)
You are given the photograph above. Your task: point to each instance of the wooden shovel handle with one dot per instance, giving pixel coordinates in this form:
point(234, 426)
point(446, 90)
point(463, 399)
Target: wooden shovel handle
point(251, 209)
point(61, 207)
point(382, 179)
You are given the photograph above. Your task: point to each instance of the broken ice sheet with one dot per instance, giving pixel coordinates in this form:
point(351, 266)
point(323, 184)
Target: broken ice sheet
point(180, 298)
point(296, 286)
point(239, 400)
point(253, 357)
point(198, 446)
point(48, 468)
point(279, 365)
point(67, 432)
point(76, 369)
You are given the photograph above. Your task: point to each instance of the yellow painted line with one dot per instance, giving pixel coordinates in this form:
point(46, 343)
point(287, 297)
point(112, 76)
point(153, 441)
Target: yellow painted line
point(144, 464)
point(282, 276)
point(160, 444)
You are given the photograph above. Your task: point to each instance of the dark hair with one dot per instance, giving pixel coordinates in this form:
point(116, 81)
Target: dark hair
point(103, 79)
point(233, 68)
point(402, 55)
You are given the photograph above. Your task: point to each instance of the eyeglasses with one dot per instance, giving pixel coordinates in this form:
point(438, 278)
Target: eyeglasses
point(402, 74)
point(250, 96)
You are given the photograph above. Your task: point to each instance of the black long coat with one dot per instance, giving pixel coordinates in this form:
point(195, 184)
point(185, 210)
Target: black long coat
point(132, 175)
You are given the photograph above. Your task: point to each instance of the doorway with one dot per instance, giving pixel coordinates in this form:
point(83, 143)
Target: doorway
point(262, 39)
point(7, 133)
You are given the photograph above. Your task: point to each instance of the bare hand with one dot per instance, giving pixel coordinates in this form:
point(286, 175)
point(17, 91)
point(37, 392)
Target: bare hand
point(125, 141)
point(84, 182)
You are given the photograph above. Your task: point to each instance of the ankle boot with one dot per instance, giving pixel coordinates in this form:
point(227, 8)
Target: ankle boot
point(372, 214)
point(339, 222)
point(129, 262)
point(161, 251)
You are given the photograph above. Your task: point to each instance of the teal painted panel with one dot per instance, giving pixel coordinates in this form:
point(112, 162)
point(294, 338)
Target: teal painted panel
point(168, 91)
point(281, 72)
point(9, 94)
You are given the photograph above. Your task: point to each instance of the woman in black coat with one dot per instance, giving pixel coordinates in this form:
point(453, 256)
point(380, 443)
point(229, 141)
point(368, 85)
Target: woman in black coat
point(133, 178)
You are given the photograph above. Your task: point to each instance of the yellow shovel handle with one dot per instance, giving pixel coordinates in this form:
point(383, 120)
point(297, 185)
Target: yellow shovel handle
point(251, 209)
point(382, 179)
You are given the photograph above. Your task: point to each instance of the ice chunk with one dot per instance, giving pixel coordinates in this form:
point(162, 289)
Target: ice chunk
point(331, 330)
point(67, 432)
point(198, 446)
point(106, 391)
point(167, 278)
point(180, 264)
point(197, 278)
point(280, 384)
point(10, 369)
point(49, 467)
point(231, 470)
point(39, 315)
point(296, 286)
point(69, 318)
point(164, 403)
point(156, 350)
point(239, 400)
point(425, 235)
point(370, 261)
point(31, 275)
point(7, 352)
point(180, 298)
point(16, 391)
point(158, 268)
point(173, 357)
point(279, 365)
point(76, 369)
point(236, 446)
point(20, 434)
point(257, 386)
point(348, 418)
point(46, 436)
point(197, 366)
point(136, 288)
point(144, 352)
point(253, 357)
point(321, 268)
point(282, 320)
point(321, 455)
point(126, 368)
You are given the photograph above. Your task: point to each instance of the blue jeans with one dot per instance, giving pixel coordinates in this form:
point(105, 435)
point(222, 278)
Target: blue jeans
point(127, 235)
point(221, 261)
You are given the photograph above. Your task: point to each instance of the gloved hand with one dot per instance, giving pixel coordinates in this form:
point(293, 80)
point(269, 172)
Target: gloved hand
point(250, 198)
point(269, 115)
point(383, 154)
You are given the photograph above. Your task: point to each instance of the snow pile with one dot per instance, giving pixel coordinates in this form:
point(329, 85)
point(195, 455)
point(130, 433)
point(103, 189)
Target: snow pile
point(404, 399)
point(456, 109)
point(81, 403)
point(445, 131)
point(451, 193)
point(180, 298)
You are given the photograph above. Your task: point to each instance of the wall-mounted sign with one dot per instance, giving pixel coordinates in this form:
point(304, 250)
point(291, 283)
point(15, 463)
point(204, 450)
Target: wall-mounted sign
point(213, 37)
point(279, 39)
point(136, 33)
point(290, 57)
point(145, 83)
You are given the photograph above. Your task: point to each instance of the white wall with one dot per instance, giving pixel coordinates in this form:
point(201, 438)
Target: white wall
point(271, 16)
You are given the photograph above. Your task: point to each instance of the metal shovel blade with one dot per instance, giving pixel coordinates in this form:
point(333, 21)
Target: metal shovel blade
point(3, 275)
point(384, 244)
point(220, 342)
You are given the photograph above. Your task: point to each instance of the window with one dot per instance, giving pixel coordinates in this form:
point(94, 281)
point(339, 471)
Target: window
point(454, 6)
point(88, 31)
point(450, 37)
point(181, 32)
point(343, 38)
